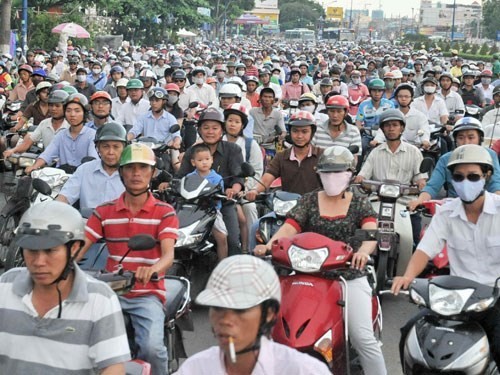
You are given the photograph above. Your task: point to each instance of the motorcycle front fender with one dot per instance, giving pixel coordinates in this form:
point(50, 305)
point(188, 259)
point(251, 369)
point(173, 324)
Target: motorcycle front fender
point(310, 307)
point(448, 346)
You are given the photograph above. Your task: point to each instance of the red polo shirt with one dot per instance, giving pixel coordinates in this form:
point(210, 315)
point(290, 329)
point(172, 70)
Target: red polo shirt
point(114, 222)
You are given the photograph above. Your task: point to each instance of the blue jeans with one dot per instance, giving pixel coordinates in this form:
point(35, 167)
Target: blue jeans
point(147, 317)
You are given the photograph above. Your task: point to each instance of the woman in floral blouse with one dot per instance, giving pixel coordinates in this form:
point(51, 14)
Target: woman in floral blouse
point(336, 213)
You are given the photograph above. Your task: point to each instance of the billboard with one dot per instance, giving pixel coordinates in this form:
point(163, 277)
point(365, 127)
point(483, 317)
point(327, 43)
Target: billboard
point(266, 4)
point(335, 13)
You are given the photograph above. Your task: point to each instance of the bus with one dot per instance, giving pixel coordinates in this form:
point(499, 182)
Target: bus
point(300, 35)
point(332, 34)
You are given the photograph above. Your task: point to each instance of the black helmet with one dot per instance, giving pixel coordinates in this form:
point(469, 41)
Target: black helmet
point(58, 96)
point(179, 74)
point(392, 114)
point(213, 114)
point(111, 131)
point(404, 86)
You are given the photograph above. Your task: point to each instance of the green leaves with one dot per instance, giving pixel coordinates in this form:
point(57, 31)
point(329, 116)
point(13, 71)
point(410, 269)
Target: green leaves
point(295, 14)
point(491, 18)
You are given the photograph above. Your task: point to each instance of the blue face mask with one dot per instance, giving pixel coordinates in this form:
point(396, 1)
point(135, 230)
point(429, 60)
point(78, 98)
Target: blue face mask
point(469, 191)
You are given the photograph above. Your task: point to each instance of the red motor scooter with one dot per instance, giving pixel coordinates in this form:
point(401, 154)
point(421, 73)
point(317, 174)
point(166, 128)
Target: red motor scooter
point(313, 273)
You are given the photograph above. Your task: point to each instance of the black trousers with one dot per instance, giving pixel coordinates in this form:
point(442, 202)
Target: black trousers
point(230, 217)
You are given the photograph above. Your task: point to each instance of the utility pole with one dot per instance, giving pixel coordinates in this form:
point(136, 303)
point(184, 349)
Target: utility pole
point(453, 22)
point(24, 28)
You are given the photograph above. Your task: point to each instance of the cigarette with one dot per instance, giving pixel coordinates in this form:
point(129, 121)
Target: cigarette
point(232, 352)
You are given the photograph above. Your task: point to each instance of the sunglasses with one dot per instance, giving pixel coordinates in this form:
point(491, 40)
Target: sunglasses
point(473, 177)
point(179, 80)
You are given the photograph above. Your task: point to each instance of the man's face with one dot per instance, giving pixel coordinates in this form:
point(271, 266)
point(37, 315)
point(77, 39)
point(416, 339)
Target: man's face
point(122, 92)
point(110, 152)
point(135, 94)
point(180, 82)
point(468, 80)
point(147, 82)
point(404, 98)
point(45, 266)
point(251, 87)
point(136, 176)
point(56, 110)
point(301, 135)
point(226, 102)
point(241, 325)
point(101, 107)
point(116, 76)
point(157, 104)
point(336, 115)
point(465, 170)
point(264, 78)
point(392, 130)
point(445, 83)
point(496, 98)
point(325, 89)
point(467, 137)
point(36, 79)
point(266, 100)
point(376, 94)
point(74, 114)
point(43, 95)
point(303, 70)
point(295, 77)
point(211, 132)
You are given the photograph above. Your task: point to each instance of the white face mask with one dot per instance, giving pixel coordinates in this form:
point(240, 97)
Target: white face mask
point(454, 88)
point(96, 71)
point(240, 72)
point(335, 183)
point(221, 74)
point(81, 77)
point(308, 108)
point(429, 89)
point(486, 81)
point(356, 81)
point(469, 191)
point(199, 80)
point(126, 64)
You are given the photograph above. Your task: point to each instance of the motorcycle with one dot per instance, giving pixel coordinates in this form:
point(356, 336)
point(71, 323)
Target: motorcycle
point(193, 198)
point(448, 341)
point(472, 110)
point(434, 152)
point(395, 237)
point(28, 192)
point(9, 116)
point(313, 270)
point(177, 308)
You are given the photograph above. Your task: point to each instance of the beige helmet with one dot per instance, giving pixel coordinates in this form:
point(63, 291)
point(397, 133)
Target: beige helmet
point(336, 159)
point(470, 154)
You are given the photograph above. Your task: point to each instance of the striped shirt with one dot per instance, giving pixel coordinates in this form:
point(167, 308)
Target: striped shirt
point(114, 222)
point(403, 165)
point(89, 336)
point(349, 137)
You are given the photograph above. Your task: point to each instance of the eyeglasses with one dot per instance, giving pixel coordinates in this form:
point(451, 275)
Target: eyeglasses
point(157, 94)
point(472, 177)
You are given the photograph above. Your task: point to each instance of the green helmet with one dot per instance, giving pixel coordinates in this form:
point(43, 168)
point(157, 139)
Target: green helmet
point(111, 131)
point(135, 84)
point(70, 90)
point(137, 153)
point(376, 84)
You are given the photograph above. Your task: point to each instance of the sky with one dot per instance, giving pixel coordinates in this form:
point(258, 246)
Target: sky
point(394, 7)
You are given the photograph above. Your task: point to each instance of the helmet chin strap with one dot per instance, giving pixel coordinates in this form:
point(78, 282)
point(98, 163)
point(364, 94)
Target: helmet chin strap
point(100, 116)
point(137, 194)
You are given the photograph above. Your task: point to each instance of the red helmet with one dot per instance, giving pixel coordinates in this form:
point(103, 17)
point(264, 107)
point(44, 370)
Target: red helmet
point(100, 95)
point(173, 87)
point(487, 73)
point(338, 101)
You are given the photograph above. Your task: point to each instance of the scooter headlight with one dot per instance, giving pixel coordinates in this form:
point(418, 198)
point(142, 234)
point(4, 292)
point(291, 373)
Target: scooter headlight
point(448, 301)
point(389, 191)
point(324, 347)
point(307, 260)
point(282, 207)
point(26, 162)
point(185, 236)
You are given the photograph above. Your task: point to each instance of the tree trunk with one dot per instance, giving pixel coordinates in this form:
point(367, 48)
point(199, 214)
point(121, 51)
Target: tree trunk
point(5, 25)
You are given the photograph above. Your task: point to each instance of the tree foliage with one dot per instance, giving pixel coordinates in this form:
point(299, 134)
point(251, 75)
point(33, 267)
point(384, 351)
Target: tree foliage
point(295, 14)
point(228, 10)
point(491, 18)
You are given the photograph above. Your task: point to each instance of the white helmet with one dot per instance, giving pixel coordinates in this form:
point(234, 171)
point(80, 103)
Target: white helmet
point(230, 91)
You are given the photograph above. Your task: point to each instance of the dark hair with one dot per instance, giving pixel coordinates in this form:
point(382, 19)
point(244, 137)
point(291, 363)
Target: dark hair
point(267, 90)
point(335, 71)
point(196, 149)
point(265, 326)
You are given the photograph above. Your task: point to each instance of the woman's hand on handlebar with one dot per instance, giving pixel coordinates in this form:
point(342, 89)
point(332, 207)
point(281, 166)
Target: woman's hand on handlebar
point(359, 260)
point(260, 250)
point(400, 282)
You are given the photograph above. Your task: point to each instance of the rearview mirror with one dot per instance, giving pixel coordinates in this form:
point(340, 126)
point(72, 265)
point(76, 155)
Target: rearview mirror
point(41, 186)
point(141, 242)
point(246, 170)
point(193, 105)
point(426, 165)
point(174, 129)
point(354, 149)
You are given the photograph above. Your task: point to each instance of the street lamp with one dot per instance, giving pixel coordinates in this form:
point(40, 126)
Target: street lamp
point(453, 22)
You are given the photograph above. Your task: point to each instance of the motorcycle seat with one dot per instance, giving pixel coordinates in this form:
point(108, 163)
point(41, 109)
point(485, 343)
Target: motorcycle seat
point(175, 291)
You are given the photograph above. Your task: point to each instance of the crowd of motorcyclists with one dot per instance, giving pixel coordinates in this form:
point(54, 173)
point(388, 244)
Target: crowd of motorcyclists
point(314, 118)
